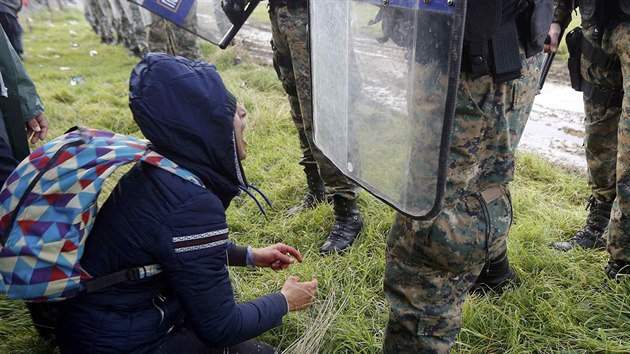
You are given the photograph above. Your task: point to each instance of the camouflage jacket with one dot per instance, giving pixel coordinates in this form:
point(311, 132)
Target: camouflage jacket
point(618, 10)
point(562, 12)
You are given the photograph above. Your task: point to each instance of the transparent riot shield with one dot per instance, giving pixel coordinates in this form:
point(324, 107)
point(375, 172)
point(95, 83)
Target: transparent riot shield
point(208, 19)
point(384, 80)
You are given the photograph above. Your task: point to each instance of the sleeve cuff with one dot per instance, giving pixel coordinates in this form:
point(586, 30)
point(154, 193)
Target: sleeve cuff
point(237, 255)
point(285, 301)
point(250, 260)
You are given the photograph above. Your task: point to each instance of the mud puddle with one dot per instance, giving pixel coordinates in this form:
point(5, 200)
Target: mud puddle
point(555, 127)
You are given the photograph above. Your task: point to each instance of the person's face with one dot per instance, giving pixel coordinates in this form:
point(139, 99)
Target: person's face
point(240, 123)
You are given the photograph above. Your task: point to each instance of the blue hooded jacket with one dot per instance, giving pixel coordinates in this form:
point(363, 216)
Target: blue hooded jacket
point(152, 216)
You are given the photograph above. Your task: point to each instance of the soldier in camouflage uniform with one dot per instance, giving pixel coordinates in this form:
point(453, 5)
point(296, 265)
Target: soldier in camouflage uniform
point(291, 57)
point(432, 265)
point(605, 70)
point(603, 91)
point(166, 37)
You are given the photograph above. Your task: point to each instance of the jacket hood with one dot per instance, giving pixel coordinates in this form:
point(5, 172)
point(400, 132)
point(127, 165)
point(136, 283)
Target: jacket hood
point(186, 112)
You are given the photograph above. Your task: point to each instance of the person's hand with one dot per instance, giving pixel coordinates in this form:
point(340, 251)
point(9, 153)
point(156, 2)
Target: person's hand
point(37, 128)
point(554, 38)
point(277, 257)
point(299, 295)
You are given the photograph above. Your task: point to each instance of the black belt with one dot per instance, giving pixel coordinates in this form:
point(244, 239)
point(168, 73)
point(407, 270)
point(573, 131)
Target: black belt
point(601, 96)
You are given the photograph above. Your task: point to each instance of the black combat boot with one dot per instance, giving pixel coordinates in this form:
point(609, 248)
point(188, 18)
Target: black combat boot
point(348, 224)
point(495, 276)
point(590, 236)
point(615, 268)
point(316, 191)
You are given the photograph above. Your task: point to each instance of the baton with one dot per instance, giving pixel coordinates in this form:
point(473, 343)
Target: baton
point(229, 36)
point(545, 69)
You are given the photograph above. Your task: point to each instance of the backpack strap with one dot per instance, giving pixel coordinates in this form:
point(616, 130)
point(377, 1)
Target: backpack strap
point(153, 158)
point(108, 280)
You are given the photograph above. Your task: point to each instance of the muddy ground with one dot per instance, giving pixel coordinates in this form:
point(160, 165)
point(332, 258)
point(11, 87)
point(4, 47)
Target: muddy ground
point(554, 129)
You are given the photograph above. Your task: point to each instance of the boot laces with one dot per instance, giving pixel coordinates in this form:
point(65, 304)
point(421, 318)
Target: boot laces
point(616, 268)
point(341, 227)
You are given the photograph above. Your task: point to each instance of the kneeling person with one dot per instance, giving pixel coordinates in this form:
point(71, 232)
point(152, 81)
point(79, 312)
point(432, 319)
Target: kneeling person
point(153, 216)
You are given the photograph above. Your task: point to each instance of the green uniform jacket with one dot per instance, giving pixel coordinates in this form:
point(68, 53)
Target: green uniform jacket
point(19, 101)
point(562, 12)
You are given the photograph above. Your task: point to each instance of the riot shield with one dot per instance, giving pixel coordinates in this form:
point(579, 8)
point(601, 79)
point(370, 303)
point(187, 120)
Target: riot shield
point(384, 80)
point(216, 21)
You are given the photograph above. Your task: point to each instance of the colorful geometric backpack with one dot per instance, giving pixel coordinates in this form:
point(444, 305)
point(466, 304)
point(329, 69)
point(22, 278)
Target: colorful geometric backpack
point(48, 206)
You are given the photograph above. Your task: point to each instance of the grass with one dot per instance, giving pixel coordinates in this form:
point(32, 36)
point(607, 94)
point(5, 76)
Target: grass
point(558, 305)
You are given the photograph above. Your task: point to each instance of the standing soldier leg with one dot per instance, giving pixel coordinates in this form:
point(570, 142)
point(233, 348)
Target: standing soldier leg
point(124, 32)
point(113, 10)
point(431, 265)
point(101, 22)
point(89, 16)
point(618, 232)
point(284, 68)
point(109, 22)
point(160, 37)
point(140, 46)
point(187, 42)
point(602, 106)
point(166, 37)
point(291, 39)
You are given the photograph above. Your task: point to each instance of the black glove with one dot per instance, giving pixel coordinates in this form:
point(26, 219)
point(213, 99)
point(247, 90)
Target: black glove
point(234, 9)
point(395, 24)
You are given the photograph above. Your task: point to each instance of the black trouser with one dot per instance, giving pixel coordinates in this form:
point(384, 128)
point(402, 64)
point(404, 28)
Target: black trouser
point(7, 162)
point(185, 341)
point(14, 31)
point(44, 316)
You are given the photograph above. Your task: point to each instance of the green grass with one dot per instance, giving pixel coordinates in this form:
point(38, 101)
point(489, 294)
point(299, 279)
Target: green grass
point(558, 305)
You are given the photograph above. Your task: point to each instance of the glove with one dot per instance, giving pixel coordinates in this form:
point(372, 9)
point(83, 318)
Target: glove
point(234, 9)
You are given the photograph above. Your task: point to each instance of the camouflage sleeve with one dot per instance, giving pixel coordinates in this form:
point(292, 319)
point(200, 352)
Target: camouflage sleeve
point(562, 12)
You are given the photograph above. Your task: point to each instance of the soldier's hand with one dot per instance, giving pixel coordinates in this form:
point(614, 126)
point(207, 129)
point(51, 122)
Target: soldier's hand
point(234, 9)
point(554, 38)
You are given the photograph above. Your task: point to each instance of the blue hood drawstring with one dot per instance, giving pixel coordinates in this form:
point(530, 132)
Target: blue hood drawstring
point(246, 190)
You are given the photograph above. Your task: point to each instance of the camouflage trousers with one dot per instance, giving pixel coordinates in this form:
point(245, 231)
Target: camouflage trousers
point(139, 45)
point(431, 265)
point(103, 17)
point(601, 121)
point(291, 57)
point(166, 37)
point(130, 26)
point(618, 231)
